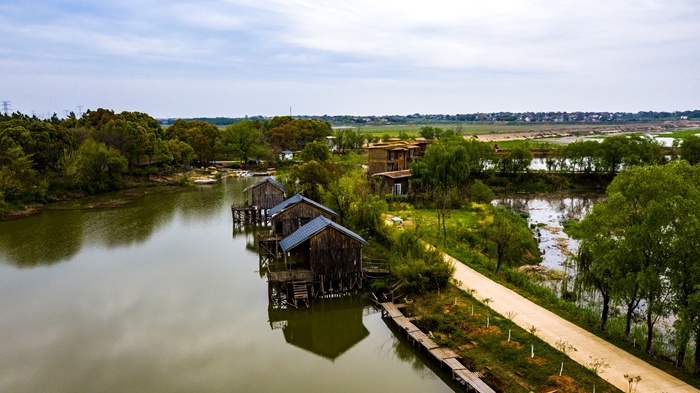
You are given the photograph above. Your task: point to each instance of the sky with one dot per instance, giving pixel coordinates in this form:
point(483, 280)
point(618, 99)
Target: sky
point(234, 58)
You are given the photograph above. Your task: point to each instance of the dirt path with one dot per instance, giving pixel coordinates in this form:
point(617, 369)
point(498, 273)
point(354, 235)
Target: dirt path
point(552, 328)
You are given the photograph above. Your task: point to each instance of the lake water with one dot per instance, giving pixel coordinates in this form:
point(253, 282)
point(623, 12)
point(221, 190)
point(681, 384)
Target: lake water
point(163, 295)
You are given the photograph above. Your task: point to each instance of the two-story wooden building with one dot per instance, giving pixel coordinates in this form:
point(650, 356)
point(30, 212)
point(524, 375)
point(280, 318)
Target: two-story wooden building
point(391, 161)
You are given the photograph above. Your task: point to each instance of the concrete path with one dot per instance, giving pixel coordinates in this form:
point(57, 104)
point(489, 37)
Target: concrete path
point(552, 328)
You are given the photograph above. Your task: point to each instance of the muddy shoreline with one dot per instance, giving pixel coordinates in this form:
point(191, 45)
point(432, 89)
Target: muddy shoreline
point(558, 131)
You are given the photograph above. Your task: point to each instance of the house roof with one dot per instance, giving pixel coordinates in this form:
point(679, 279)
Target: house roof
point(266, 180)
point(297, 199)
point(287, 152)
point(395, 174)
point(314, 227)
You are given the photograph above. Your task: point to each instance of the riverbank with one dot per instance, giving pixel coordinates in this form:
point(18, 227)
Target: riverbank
point(105, 200)
point(614, 364)
point(564, 131)
point(469, 250)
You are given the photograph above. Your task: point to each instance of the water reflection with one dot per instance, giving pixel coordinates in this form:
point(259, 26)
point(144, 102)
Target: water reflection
point(177, 306)
point(329, 328)
point(57, 235)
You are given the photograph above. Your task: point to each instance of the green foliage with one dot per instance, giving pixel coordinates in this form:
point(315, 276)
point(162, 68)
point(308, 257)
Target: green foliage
point(348, 138)
point(242, 140)
point(608, 156)
point(287, 133)
point(480, 192)
point(639, 243)
point(508, 240)
point(451, 163)
point(516, 160)
point(315, 151)
point(421, 269)
point(690, 149)
point(311, 178)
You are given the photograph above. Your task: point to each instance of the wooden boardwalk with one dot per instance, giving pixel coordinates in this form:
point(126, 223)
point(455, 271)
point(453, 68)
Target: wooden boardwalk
point(443, 355)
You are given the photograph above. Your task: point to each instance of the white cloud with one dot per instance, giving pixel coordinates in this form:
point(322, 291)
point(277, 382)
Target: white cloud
point(437, 53)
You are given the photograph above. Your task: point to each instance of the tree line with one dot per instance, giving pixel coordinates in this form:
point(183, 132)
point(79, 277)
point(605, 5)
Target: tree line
point(639, 250)
point(52, 159)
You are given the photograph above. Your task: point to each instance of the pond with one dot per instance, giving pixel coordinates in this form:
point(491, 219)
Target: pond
point(164, 295)
point(546, 215)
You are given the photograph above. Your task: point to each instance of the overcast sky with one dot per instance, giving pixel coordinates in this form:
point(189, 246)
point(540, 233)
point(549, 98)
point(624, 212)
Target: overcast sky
point(174, 58)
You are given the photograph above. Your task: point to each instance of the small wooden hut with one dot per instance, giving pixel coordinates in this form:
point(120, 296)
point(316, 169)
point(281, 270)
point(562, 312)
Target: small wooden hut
point(295, 212)
point(331, 252)
point(266, 193)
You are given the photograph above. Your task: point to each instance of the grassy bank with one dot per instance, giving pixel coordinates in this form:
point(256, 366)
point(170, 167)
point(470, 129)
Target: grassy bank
point(510, 358)
point(464, 244)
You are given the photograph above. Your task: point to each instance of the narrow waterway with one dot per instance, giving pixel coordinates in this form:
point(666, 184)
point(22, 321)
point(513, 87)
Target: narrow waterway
point(163, 295)
point(546, 215)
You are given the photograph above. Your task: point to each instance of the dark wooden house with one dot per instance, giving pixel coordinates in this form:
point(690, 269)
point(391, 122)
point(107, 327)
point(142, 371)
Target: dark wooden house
point(331, 253)
point(260, 198)
point(295, 212)
point(396, 183)
point(265, 194)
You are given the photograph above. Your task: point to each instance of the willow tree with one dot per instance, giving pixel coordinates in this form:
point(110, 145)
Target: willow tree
point(642, 234)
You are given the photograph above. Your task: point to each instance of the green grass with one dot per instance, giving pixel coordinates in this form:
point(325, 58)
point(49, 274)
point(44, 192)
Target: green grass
point(507, 366)
point(529, 144)
point(393, 130)
point(464, 244)
point(680, 134)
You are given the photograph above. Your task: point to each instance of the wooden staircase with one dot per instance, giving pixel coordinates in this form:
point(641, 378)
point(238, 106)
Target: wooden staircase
point(300, 292)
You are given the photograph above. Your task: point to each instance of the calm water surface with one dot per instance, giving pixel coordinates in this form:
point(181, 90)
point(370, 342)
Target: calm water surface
point(164, 296)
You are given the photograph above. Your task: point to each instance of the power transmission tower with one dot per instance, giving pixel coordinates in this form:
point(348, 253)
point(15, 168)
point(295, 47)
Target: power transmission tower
point(80, 110)
point(6, 106)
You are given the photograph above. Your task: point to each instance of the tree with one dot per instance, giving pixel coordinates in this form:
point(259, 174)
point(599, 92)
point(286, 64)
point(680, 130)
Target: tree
point(690, 149)
point(509, 240)
point(516, 160)
point(311, 178)
point(95, 167)
point(449, 163)
point(317, 151)
point(480, 192)
point(637, 236)
point(243, 140)
point(351, 197)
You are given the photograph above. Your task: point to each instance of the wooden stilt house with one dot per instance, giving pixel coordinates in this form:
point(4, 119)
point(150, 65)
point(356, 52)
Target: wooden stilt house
point(287, 217)
point(295, 212)
point(260, 198)
point(330, 252)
